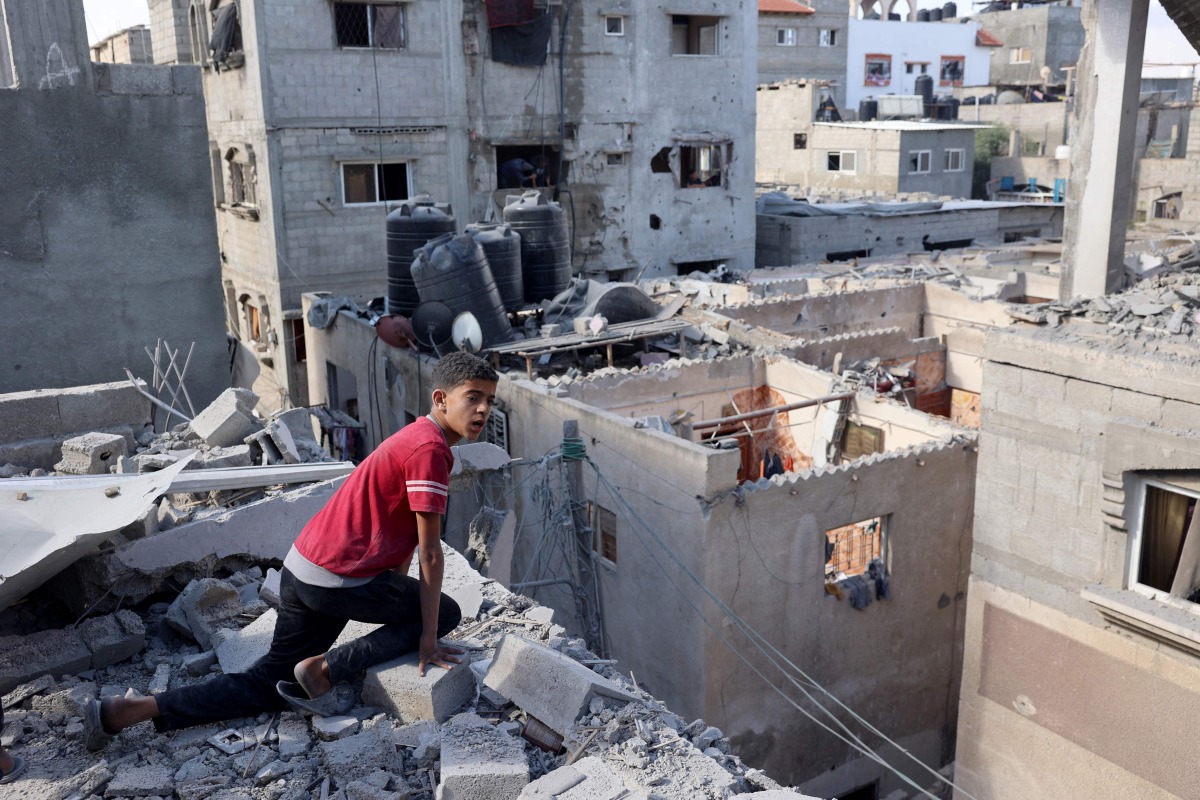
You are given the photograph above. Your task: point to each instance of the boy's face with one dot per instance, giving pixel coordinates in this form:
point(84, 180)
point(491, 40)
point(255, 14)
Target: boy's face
point(465, 408)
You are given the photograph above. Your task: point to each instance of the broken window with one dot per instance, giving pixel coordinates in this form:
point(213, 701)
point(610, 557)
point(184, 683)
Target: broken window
point(799, 141)
point(250, 316)
point(954, 160)
point(950, 71)
point(693, 35)
point(226, 39)
point(366, 184)
point(827, 37)
point(702, 166)
point(218, 173)
point(860, 440)
point(661, 162)
point(198, 29)
point(785, 37)
point(842, 161)
point(615, 159)
point(299, 347)
point(369, 25)
point(243, 179)
point(1168, 206)
point(1167, 542)
point(604, 532)
point(878, 69)
point(918, 161)
point(533, 165)
point(614, 26)
point(850, 549)
point(1020, 55)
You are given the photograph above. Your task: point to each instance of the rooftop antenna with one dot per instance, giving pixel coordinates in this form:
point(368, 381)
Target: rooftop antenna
point(433, 325)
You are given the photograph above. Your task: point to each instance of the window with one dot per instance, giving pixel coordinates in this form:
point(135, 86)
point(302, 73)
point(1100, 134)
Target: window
point(827, 38)
point(242, 177)
point(842, 161)
point(614, 26)
point(298, 344)
point(218, 173)
point(250, 315)
point(604, 532)
point(878, 70)
point(918, 161)
point(850, 549)
point(799, 141)
point(495, 430)
point(950, 70)
point(702, 166)
point(615, 159)
point(860, 440)
point(1020, 55)
point(369, 25)
point(955, 160)
point(365, 184)
point(693, 35)
point(1166, 551)
point(785, 37)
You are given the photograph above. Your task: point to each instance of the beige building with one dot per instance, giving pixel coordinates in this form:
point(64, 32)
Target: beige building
point(130, 46)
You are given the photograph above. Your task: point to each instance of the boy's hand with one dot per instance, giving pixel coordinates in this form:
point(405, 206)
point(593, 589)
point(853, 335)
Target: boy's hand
point(437, 654)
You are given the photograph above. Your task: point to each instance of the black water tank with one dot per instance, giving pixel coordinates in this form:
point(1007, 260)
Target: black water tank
point(894, 17)
point(868, 109)
point(409, 227)
point(924, 87)
point(502, 246)
point(949, 11)
point(923, 15)
point(545, 244)
point(935, 15)
point(953, 103)
point(452, 269)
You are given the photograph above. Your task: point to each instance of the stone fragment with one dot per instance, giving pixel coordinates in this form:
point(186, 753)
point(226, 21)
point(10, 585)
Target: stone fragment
point(294, 739)
point(588, 779)
point(224, 457)
point(170, 516)
point(27, 690)
point(229, 419)
point(355, 757)
point(86, 783)
point(543, 614)
point(205, 604)
point(113, 637)
point(155, 781)
point(548, 685)
point(284, 443)
point(397, 687)
point(200, 663)
point(272, 772)
point(410, 735)
point(480, 762)
point(331, 728)
point(161, 680)
point(269, 591)
point(57, 652)
point(91, 453)
point(229, 741)
point(707, 737)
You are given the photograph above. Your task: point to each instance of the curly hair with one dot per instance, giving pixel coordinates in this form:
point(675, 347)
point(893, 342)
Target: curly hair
point(456, 369)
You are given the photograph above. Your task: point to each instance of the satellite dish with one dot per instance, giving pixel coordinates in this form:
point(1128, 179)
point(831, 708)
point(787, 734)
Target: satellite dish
point(433, 325)
point(466, 333)
point(396, 331)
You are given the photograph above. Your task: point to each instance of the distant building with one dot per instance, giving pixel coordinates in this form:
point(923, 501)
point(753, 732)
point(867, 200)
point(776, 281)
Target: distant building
point(879, 157)
point(808, 42)
point(169, 30)
point(1041, 44)
point(130, 46)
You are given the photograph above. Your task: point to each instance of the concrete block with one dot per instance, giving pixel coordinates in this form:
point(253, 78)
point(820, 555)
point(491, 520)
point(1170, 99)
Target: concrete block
point(554, 688)
point(224, 457)
point(480, 762)
point(91, 453)
point(27, 690)
point(299, 423)
point(229, 419)
point(329, 729)
point(161, 680)
point(396, 687)
point(113, 637)
point(269, 591)
point(23, 658)
point(589, 779)
point(294, 738)
point(200, 663)
point(238, 650)
point(284, 443)
point(142, 782)
point(206, 603)
point(357, 757)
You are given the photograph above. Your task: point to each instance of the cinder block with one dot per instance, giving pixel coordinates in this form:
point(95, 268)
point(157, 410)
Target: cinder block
point(224, 457)
point(142, 782)
point(589, 779)
point(397, 687)
point(113, 637)
point(23, 658)
point(204, 604)
point(91, 453)
point(480, 762)
point(554, 688)
point(229, 419)
point(357, 757)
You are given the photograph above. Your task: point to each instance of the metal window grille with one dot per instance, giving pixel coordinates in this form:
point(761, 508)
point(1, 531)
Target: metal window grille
point(495, 430)
point(369, 25)
point(852, 547)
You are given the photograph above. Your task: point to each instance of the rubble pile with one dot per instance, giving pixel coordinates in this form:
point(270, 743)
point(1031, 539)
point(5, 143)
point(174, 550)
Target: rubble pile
point(530, 713)
point(889, 380)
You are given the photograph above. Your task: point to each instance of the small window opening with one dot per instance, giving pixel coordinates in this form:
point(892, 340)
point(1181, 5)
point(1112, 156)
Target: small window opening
point(614, 26)
point(842, 161)
point(655, 222)
point(799, 141)
point(1169, 550)
point(369, 25)
point(615, 159)
point(604, 532)
point(785, 37)
point(950, 71)
point(827, 38)
point(251, 317)
point(878, 70)
point(702, 166)
point(955, 159)
point(365, 184)
point(527, 166)
point(298, 343)
point(688, 267)
point(693, 35)
point(1020, 55)
point(918, 162)
point(850, 549)
point(846, 255)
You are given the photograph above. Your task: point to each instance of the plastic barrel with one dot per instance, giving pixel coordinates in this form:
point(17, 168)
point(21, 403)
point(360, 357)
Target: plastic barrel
point(924, 86)
point(502, 246)
point(935, 15)
point(868, 109)
point(949, 11)
point(409, 227)
point(452, 269)
point(545, 244)
point(923, 15)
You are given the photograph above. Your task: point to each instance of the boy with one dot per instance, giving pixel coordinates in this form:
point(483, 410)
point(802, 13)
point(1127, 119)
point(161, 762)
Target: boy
point(350, 562)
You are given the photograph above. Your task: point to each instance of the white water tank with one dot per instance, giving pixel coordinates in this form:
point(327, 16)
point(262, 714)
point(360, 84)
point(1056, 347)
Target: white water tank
point(1063, 152)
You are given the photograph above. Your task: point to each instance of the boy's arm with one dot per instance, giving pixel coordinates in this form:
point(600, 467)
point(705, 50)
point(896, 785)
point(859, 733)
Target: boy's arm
point(429, 556)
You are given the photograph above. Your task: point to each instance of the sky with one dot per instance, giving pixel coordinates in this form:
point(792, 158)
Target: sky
point(1164, 42)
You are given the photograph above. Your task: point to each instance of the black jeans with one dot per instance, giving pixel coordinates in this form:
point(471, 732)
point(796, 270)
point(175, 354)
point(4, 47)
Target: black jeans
point(310, 619)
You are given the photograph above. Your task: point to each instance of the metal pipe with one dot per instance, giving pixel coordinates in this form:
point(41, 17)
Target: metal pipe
point(763, 412)
point(520, 587)
point(154, 399)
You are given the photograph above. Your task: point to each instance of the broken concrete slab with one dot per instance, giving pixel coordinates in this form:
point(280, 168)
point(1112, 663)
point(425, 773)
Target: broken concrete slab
point(92, 453)
point(588, 779)
point(229, 419)
point(294, 738)
point(548, 685)
point(238, 650)
point(23, 658)
point(269, 591)
point(27, 690)
point(329, 729)
point(113, 637)
point(397, 687)
point(357, 757)
point(161, 680)
point(151, 781)
point(205, 604)
point(224, 457)
point(284, 443)
point(480, 762)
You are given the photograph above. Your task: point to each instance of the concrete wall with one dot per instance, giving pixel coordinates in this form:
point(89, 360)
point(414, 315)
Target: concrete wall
point(807, 59)
point(912, 42)
point(102, 253)
point(818, 316)
point(1054, 34)
point(1082, 706)
point(783, 241)
point(1037, 122)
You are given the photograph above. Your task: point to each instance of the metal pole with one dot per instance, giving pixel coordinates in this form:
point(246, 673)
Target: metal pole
point(763, 412)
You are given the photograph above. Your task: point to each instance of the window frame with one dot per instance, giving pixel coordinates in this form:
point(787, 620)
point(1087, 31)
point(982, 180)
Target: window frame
point(597, 518)
point(962, 70)
point(408, 174)
point(717, 25)
point(785, 37)
point(961, 152)
point(824, 40)
point(1136, 534)
point(371, 11)
point(620, 25)
point(881, 58)
point(841, 161)
point(928, 158)
point(723, 151)
point(884, 542)
point(800, 141)
point(1015, 55)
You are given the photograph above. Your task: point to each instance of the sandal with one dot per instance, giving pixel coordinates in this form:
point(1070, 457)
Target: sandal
point(14, 773)
point(335, 702)
point(95, 736)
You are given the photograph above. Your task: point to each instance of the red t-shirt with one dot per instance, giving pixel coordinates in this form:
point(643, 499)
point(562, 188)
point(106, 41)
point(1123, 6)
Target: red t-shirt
point(368, 526)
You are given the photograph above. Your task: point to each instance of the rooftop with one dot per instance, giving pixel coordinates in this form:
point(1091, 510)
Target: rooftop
point(782, 7)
